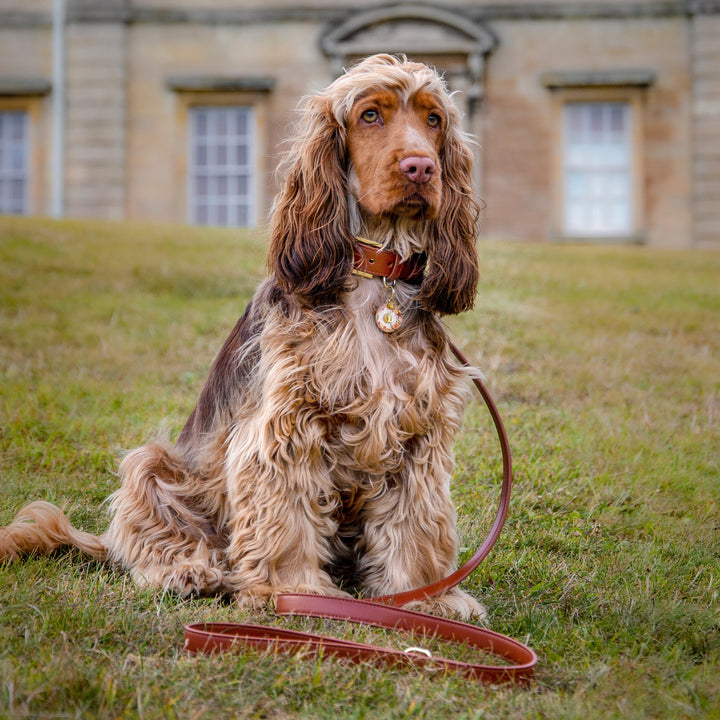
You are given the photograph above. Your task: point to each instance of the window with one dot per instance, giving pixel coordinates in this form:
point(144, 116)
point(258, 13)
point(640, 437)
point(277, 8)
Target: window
point(221, 166)
point(598, 169)
point(13, 162)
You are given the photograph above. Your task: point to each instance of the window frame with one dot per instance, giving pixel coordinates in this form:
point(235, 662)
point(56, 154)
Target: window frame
point(10, 175)
point(214, 170)
point(187, 98)
point(633, 97)
point(36, 188)
point(592, 171)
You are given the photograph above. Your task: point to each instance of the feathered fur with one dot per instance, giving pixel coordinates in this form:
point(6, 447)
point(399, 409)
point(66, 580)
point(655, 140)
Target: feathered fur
point(319, 454)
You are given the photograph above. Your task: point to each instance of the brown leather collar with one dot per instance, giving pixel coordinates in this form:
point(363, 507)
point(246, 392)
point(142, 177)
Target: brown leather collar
point(371, 260)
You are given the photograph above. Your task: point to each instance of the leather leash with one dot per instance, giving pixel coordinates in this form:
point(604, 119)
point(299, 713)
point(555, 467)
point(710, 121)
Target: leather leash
point(380, 612)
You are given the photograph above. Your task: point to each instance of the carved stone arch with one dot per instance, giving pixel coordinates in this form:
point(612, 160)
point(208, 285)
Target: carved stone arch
point(456, 44)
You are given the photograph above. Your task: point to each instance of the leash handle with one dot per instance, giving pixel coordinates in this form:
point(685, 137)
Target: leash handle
point(381, 611)
point(225, 637)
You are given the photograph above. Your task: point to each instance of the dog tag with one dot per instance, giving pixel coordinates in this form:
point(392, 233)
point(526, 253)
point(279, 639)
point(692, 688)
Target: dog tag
point(388, 317)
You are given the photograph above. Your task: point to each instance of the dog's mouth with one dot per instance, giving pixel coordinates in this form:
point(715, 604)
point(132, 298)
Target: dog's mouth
point(416, 205)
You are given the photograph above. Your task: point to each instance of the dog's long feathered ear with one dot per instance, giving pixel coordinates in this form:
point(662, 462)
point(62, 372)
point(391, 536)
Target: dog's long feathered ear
point(310, 247)
point(451, 278)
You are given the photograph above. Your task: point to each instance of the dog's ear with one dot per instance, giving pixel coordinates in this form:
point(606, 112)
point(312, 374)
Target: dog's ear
point(310, 245)
point(451, 278)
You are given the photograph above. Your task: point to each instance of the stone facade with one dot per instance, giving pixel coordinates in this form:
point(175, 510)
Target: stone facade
point(95, 138)
point(705, 68)
point(135, 70)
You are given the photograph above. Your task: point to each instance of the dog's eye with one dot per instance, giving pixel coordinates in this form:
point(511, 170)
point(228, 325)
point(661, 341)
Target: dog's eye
point(433, 120)
point(370, 116)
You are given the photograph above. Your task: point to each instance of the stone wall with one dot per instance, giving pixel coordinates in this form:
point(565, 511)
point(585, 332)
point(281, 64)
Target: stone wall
point(126, 138)
point(705, 60)
point(95, 125)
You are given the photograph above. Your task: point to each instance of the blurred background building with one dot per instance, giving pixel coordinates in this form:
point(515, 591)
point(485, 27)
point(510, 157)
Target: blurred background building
point(595, 119)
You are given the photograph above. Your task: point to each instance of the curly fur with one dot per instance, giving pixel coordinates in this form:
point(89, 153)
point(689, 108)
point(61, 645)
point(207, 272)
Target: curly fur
point(319, 454)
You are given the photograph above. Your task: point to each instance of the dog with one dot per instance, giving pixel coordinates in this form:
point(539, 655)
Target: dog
point(318, 457)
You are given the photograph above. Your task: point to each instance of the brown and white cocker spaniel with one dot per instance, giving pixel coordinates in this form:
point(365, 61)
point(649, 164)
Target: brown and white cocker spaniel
point(319, 454)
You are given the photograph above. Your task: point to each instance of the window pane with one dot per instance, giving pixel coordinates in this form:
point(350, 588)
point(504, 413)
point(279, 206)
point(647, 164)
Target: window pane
point(241, 155)
point(17, 190)
point(201, 185)
point(618, 186)
point(17, 158)
point(16, 126)
point(575, 124)
point(576, 185)
point(221, 123)
point(201, 155)
point(241, 123)
point(241, 185)
point(596, 121)
point(617, 125)
point(201, 123)
point(575, 216)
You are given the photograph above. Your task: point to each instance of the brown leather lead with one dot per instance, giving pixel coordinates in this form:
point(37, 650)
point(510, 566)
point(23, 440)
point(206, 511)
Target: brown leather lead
point(219, 637)
point(379, 612)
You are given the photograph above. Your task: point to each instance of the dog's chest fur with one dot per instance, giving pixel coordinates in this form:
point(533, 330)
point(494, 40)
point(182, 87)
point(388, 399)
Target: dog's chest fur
point(337, 390)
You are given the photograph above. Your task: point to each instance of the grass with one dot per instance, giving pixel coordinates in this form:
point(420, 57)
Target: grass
point(605, 363)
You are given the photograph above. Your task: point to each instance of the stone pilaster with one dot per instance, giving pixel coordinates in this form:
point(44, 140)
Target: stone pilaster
point(95, 111)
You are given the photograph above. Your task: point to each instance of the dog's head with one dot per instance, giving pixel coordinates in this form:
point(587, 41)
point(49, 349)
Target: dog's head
point(381, 147)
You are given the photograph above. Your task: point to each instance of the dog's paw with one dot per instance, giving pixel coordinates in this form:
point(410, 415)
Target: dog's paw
point(257, 596)
point(254, 599)
point(197, 579)
point(452, 604)
point(324, 589)
point(186, 578)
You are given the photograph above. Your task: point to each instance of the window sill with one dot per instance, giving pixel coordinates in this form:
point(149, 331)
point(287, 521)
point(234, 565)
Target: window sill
point(635, 239)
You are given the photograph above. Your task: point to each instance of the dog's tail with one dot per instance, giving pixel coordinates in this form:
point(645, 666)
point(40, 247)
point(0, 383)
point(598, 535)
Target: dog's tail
point(40, 528)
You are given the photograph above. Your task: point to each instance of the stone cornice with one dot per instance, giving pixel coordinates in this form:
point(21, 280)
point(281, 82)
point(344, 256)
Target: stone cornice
point(598, 78)
point(117, 11)
point(218, 83)
point(24, 86)
point(15, 19)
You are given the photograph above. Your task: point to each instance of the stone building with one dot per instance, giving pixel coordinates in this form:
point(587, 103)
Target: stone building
point(595, 119)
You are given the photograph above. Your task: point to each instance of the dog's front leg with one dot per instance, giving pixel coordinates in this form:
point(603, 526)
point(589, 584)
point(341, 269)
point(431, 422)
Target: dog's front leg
point(409, 537)
point(281, 512)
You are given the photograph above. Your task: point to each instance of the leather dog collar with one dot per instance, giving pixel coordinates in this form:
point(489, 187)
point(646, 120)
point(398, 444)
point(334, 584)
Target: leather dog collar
point(370, 260)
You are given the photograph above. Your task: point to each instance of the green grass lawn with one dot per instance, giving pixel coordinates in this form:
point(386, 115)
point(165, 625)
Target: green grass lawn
point(605, 363)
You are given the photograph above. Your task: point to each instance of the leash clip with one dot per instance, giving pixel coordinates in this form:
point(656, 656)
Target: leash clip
point(419, 651)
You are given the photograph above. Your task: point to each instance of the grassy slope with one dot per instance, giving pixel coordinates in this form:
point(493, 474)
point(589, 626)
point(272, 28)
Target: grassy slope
point(605, 363)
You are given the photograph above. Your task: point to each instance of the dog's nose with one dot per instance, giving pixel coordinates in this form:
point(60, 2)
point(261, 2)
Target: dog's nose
point(418, 169)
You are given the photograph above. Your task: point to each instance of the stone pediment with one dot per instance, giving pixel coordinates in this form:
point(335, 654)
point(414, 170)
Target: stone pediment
point(410, 28)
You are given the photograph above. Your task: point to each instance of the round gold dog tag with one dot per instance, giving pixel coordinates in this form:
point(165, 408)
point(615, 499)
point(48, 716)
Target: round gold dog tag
point(388, 317)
